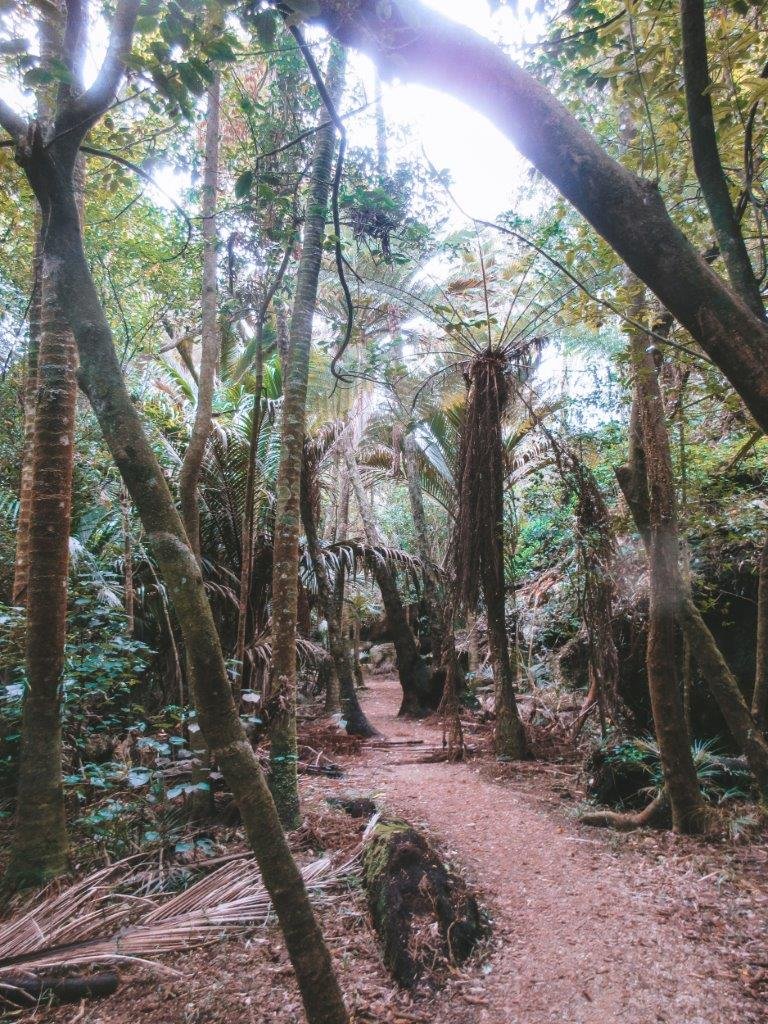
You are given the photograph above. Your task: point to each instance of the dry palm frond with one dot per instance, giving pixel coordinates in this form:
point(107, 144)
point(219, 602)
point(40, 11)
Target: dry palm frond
point(480, 477)
point(94, 921)
point(308, 653)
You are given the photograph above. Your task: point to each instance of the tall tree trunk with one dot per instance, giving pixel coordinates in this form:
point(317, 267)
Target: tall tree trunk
point(282, 728)
point(40, 840)
point(21, 562)
point(40, 844)
point(420, 694)
point(246, 546)
point(189, 475)
point(760, 692)
point(128, 597)
point(355, 720)
point(689, 812)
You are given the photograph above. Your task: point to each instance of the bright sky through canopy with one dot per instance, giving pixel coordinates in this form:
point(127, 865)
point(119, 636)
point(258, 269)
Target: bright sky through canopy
point(483, 164)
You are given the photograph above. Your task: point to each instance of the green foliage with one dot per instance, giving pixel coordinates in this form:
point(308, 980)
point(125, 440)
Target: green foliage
point(719, 782)
point(103, 666)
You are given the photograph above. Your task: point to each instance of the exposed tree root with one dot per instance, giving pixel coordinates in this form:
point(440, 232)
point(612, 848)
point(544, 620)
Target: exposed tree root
point(656, 815)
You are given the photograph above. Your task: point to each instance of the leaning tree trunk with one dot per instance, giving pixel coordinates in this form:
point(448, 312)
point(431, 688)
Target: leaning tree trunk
point(282, 727)
point(419, 44)
point(420, 694)
point(354, 717)
point(191, 467)
point(49, 168)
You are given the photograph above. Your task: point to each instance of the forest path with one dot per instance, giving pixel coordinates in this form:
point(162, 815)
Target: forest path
point(585, 932)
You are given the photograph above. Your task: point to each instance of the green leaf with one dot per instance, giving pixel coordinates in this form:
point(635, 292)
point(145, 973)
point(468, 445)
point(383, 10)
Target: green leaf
point(243, 184)
point(265, 24)
point(219, 49)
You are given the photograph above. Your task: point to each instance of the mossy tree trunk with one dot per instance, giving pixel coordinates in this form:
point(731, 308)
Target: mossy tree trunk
point(689, 812)
point(282, 727)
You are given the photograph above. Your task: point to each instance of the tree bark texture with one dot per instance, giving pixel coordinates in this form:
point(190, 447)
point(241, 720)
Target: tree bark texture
point(21, 562)
point(40, 839)
point(282, 728)
point(689, 812)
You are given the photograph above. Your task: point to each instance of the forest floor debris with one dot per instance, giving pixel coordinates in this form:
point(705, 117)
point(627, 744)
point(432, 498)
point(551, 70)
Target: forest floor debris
point(588, 928)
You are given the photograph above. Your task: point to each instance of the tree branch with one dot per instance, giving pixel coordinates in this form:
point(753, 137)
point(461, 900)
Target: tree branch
point(418, 44)
point(12, 122)
point(88, 107)
point(706, 156)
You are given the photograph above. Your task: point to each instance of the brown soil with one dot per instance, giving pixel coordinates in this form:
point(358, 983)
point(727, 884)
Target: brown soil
point(590, 927)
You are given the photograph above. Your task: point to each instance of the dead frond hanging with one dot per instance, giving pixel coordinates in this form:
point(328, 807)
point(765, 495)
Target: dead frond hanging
point(480, 477)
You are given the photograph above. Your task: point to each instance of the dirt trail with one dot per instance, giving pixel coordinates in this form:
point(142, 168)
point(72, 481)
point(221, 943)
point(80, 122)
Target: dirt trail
point(586, 933)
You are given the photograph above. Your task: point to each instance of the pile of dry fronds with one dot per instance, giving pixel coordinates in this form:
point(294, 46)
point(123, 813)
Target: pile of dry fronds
point(99, 919)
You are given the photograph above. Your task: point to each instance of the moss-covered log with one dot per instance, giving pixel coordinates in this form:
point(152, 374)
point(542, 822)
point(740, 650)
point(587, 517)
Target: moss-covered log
point(424, 914)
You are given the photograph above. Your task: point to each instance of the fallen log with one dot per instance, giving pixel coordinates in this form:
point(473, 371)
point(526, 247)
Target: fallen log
point(29, 989)
point(424, 915)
